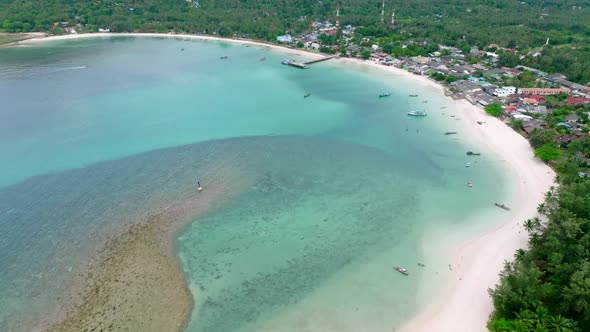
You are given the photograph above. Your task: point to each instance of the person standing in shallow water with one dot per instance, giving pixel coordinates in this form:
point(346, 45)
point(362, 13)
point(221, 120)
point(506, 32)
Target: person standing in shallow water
point(199, 188)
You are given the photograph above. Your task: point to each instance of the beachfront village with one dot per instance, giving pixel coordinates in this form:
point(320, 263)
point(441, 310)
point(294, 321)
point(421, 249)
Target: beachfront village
point(525, 98)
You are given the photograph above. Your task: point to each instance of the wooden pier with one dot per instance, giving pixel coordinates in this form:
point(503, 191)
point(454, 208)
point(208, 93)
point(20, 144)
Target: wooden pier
point(305, 65)
point(320, 60)
point(294, 63)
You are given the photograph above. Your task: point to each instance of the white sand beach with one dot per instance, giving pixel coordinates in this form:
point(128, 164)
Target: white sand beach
point(464, 303)
point(281, 49)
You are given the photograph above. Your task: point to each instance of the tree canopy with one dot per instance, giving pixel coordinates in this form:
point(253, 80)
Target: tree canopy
point(419, 27)
point(547, 153)
point(494, 109)
point(547, 287)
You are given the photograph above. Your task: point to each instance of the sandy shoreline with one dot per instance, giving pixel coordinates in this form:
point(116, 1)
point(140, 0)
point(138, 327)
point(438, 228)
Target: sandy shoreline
point(281, 49)
point(464, 304)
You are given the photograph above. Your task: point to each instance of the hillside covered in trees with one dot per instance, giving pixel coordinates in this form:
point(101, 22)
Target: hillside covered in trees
point(547, 287)
point(525, 25)
point(479, 22)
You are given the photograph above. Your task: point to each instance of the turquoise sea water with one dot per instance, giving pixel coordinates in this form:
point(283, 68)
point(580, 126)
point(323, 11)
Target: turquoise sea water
point(94, 132)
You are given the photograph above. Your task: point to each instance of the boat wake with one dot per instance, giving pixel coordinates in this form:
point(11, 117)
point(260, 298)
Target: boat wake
point(72, 68)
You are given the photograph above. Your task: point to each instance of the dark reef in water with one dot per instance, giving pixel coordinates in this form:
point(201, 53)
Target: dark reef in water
point(50, 225)
point(361, 200)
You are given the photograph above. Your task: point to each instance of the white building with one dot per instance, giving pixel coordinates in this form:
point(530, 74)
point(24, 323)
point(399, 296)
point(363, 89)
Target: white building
point(313, 45)
point(285, 39)
point(523, 117)
point(505, 91)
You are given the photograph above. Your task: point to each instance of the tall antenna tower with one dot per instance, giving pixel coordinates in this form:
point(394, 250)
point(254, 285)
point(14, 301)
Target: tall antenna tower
point(392, 19)
point(382, 11)
point(337, 17)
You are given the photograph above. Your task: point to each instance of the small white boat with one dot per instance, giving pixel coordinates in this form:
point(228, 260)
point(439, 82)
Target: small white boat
point(417, 113)
point(469, 184)
point(401, 270)
point(468, 164)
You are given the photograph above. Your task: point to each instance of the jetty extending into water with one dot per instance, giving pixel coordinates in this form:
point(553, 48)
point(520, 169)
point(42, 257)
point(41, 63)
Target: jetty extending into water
point(305, 65)
point(294, 63)
point(320, 60)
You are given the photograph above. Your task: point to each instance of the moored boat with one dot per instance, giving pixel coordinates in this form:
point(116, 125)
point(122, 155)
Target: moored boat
point(417, 113)
point(307, 95)
point(401, 270)
point(412, 95)
point(450, 133)
point(294, 63)
point(469, 184)
point(382, 95)
point(468, 164)
point(224, 57)
point(470, 153)
point(502, 206)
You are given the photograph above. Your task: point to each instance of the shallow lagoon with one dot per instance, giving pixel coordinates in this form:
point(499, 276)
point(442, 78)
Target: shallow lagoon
point(346, 183)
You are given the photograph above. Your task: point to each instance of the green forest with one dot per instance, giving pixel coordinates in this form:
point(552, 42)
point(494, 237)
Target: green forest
point(525, 25)
point(547, 287)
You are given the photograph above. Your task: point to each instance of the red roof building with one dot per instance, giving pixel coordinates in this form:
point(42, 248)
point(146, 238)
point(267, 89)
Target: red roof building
point(537, 98)
point(513, 71)
point(542, 91)
point(577, 101)
point(511, 108)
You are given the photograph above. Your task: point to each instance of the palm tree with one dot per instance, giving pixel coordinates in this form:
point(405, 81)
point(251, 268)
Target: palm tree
point(527, 317)
point(529, 225)
point(519, 326)
point(559, 324)
point(541, 208)
point(519, 255)
point(542, 314)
